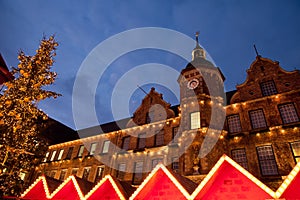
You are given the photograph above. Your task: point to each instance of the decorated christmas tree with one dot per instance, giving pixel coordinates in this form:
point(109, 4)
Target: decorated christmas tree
point(21, 121)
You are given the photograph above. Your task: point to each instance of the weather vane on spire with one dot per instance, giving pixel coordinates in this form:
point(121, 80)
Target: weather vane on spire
point(197, 35)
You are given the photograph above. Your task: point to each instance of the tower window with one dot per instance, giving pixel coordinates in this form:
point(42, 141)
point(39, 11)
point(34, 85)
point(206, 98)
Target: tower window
point(234, 124)
point(159, 137)
point(138, 173)
point(288, 113)
point(195, 120)
point(296, 150)
point(239, 156)
point(175, 164)
point(268, 88)
point(175, 134)
point(141, 141)
point(257, 119)
point(267, 160)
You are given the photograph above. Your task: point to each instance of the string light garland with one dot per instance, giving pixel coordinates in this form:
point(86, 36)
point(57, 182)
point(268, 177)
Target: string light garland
point(21, 122)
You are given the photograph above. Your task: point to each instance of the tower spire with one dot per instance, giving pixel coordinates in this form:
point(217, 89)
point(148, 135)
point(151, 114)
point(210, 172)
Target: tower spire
point(198, 52)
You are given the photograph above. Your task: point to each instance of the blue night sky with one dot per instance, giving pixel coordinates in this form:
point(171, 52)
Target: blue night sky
point(228, 30)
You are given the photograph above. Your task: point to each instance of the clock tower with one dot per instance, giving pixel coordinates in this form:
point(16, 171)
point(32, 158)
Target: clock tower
point(201, 91)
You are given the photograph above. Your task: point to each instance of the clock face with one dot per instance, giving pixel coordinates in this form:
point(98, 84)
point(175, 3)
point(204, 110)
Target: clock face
point(192, 84)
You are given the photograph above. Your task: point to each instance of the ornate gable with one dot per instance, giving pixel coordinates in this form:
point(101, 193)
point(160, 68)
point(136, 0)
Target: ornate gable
point(152, 109)
point(265, 74)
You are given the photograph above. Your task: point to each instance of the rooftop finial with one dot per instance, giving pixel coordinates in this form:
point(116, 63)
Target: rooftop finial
point(257, 55)
point(197, 35)
point(198, 51)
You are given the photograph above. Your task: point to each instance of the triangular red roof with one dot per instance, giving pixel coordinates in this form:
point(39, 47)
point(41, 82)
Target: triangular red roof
point(228, 180)
point(107, 188)
point(69, 189)
point(289, 189)
point(38, 190)
point(160, 183)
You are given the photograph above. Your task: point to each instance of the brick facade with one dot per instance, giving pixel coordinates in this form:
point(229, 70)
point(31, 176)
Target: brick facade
point(258, 128)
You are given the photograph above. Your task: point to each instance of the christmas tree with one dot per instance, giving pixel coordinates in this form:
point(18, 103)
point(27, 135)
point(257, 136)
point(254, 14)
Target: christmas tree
point(21, 122)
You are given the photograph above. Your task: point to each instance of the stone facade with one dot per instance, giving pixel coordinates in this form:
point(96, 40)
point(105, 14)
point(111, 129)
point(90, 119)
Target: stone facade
point(259, 128)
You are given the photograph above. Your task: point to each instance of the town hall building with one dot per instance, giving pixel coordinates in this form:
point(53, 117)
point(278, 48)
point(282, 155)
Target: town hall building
point(256, 125)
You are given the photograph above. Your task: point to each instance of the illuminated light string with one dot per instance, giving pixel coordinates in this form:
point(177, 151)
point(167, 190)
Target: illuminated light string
point(45, 185)
point(60, 187)
point(106, 135)
point(149, 177)
point(221, 161)
point(239, 168)
point(103, 180)
point(287, 181)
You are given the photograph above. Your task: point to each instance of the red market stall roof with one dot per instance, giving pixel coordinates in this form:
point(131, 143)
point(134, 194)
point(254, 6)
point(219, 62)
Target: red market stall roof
point(160, 183)
point(289, 189)
point(41, 188)
point(228, 180)
point(110, 188)
point(69, 189)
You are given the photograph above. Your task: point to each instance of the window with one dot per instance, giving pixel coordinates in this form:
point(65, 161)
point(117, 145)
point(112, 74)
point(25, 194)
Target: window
point(267, 160)
point(86, 172)
point(53, 155)
point(126, 142)
point(296, 150)
point(22, 175)
point(99, 174)
point(121, 170)
point(74, 171)
point(175, 164)
point(80, 151)
point(257, 119)
point(61, 152)
point(234, 124)
point(288, 113)
point(138, 173)
point(46, 157)
point(239, 155)
point(159, 137)
point(105, 147)
point(93, 148)
point(150, 117)
point(62, 174)
point(156, 161)
point(195, 120)
point(268, 88)
point(175, 134)
point(53, 173)
point(141, 141)
point(70, 151)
